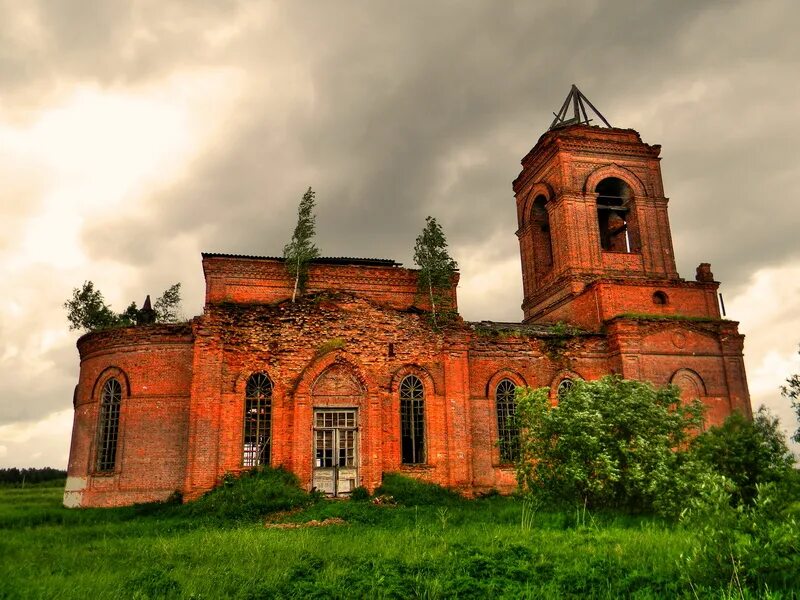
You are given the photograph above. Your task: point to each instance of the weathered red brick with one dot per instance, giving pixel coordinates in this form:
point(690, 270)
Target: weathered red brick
point(362, 327)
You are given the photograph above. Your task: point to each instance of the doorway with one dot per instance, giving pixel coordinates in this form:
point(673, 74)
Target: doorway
point(335, 451)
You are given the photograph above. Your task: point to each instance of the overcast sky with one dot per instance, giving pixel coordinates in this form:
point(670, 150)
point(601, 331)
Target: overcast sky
point(134, 135)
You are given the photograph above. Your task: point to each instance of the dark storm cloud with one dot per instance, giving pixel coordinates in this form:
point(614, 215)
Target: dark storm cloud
point(45, 45)
point(397, 96)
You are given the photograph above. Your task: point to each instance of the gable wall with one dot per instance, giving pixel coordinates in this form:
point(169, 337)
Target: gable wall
point(245, 280)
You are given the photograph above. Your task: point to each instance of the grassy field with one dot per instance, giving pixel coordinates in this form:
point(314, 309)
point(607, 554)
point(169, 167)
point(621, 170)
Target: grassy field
point(489, 548)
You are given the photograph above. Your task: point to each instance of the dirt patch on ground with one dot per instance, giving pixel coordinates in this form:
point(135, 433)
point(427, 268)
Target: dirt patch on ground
point(312, 523)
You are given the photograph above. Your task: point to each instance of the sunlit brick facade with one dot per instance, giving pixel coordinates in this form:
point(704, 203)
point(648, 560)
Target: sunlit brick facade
point(351, 381)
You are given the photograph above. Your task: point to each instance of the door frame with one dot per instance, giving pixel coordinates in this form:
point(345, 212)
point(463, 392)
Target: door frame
point(336, 430)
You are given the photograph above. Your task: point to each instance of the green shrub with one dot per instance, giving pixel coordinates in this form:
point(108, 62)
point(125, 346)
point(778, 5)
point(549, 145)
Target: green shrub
point(676, 483)
point(746, 452)
point(603, 442)
point(413, 492)
point(360, 494)
point(250, 495)
point(755, 546)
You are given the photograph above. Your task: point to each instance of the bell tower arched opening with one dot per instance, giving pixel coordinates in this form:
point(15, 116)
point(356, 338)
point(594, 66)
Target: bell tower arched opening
point(542, 243)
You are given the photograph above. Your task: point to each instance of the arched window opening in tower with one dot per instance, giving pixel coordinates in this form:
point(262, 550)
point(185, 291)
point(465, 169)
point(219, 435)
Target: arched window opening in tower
point(542, 243)
point(615, 217)
point(507, 430)
point(412, 420)
point(108, 429)
point(257, 421)
point(660, 298)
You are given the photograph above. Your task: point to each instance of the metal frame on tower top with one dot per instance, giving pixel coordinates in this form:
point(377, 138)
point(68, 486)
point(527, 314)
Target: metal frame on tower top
point(575, 104)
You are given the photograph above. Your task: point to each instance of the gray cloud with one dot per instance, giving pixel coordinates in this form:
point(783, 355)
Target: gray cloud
point(395, 96)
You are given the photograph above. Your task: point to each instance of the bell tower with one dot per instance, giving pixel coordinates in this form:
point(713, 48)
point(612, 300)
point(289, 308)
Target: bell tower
point(593, 230)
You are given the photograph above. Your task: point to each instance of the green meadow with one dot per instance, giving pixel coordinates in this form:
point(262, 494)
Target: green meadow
point(424, 542)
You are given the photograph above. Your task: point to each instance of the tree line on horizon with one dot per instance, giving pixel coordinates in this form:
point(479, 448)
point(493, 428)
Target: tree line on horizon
point(14, 475)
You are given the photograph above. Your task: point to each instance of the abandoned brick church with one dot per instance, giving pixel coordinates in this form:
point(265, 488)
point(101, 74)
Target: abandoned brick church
point(352, 382)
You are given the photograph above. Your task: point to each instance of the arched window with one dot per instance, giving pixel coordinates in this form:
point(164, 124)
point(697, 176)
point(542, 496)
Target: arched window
point(542, 244)
point(507, 430)
point(257, 420)
point(618, 232)
point(660, 298)
point(564, 387)
point(412, 420)
point(108, 427)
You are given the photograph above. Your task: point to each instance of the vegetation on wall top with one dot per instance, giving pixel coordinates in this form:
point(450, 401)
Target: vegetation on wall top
point(87, 310)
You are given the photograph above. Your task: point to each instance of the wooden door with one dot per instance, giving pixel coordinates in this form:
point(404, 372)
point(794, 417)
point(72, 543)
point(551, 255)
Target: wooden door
point(335, 451)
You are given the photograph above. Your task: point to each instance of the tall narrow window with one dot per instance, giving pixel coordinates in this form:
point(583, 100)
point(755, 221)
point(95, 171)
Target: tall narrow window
point(257, 420)
point(542, 244)
point(507, 431)
point(108, 429)
point(412, 420)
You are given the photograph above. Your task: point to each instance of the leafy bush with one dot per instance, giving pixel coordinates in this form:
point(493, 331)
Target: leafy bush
point(678, 482)
point(755, 546)
point(746, 452)
point(250, 495)
point(608, 443)
point(360, 494)
point(413, 492)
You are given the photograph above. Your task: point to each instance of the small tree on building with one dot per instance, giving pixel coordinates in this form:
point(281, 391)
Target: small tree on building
point(87, 309)
point(301, 249)
point(792, 391)
point(436, 269)
point(167, 305)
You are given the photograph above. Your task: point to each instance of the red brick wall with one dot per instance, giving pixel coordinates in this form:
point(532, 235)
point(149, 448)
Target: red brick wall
point(170, 441)
point(257, 280)
point(527, 360)
point(294, 344)
point(592, 305)
point(153, 365)
point(655, 350)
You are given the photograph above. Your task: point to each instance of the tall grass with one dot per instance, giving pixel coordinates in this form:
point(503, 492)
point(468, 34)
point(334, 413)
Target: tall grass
point(432, 545)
